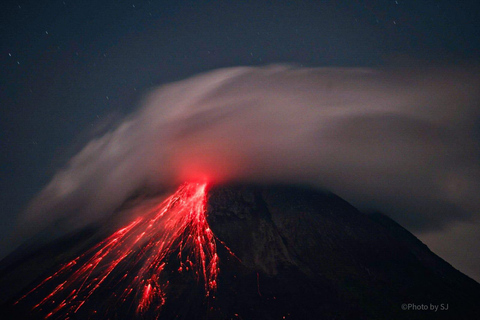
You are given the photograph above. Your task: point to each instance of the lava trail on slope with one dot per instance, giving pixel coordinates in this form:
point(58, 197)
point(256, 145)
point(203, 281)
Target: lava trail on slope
point(137, 259)
point(303, 254)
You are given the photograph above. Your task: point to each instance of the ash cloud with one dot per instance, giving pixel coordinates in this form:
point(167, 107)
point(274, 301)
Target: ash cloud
point(404, 142)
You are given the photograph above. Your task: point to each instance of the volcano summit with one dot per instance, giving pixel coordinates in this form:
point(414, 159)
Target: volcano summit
point(237, 252)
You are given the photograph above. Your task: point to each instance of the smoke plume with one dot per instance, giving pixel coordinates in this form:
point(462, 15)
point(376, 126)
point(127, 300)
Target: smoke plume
point(404, 142)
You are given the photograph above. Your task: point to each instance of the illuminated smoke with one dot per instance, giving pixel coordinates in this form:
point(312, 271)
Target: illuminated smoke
point(401, 141)
point(175, 226)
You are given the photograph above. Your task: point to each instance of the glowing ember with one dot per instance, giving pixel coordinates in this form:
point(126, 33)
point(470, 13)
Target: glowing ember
point(140, 252)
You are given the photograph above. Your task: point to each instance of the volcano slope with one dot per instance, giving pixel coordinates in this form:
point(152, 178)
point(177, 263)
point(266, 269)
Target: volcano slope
point(284, 252)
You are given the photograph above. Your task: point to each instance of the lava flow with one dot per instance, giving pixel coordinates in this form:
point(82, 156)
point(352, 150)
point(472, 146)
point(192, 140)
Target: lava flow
point(137, 259)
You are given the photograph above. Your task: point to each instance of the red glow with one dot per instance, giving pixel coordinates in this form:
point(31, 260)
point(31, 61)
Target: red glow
point(178, 224)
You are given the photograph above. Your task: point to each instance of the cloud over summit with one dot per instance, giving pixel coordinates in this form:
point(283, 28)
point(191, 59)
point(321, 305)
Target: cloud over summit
point(405, 142)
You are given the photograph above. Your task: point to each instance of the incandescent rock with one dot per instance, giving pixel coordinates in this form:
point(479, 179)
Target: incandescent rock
point(285, 252)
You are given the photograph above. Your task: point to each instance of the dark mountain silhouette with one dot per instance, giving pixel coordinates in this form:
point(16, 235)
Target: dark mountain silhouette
point(285, 252)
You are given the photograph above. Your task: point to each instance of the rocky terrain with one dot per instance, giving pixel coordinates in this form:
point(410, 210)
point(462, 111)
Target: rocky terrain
point(285, 252)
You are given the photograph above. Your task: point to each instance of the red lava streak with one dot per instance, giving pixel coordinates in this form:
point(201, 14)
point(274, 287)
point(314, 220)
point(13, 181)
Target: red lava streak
point(137, 257)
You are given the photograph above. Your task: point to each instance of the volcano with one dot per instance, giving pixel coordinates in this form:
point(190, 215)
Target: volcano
point(236, 252)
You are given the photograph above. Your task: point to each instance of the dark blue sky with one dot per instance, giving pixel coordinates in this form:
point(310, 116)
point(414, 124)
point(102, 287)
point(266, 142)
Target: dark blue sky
point(68, 66)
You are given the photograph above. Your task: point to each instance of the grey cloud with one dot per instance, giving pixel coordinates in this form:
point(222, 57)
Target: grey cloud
point(399, 141)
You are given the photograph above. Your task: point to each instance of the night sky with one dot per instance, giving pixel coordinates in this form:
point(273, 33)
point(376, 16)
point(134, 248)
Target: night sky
point(73, 67)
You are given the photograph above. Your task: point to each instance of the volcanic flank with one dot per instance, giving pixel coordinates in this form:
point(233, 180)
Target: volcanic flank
point(237, 252)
